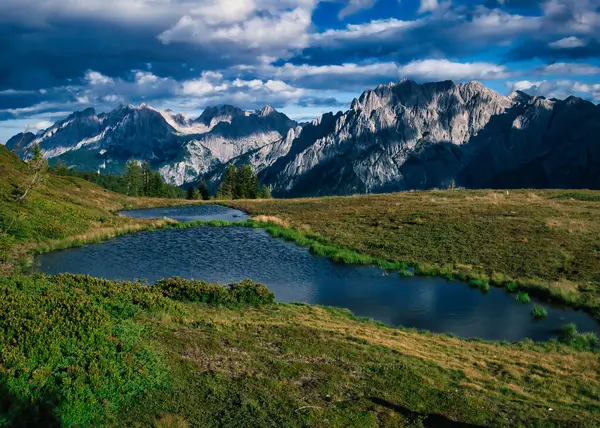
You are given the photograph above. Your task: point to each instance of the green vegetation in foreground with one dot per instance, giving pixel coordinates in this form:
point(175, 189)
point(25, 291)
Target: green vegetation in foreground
point(539, 312)
point(523, 298)
point(84, 351)
point(71, 346)
point(545, 242)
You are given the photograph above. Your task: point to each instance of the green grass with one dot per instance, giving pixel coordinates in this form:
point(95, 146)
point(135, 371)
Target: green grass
point(523, 297)
point(539, 312)
point(72, 350)
point(80, 351)
point(480, 283)
point(580, 341)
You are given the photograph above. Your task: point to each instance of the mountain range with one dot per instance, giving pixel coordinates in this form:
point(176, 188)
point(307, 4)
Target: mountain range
point(398, 136)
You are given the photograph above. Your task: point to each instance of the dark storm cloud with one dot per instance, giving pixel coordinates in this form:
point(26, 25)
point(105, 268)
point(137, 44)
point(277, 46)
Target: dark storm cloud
point(514, 4)
point(47, 57)
point(546, 51)
point(464, 30)
point(19, 99)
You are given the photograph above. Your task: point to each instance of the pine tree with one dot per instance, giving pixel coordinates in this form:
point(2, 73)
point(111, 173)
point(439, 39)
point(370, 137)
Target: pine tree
point(147, 179)
point(203, 189)
point(239, 183)
point(157, 186)
point(227, 188)
point(190, 192)
point(265, 192)
point(247, 183)
point(133, 178)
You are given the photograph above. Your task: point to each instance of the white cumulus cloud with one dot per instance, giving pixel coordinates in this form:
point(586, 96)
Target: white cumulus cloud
point(567, 43)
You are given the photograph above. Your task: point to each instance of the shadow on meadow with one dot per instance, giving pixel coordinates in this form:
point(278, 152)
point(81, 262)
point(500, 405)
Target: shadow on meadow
point(18, 412)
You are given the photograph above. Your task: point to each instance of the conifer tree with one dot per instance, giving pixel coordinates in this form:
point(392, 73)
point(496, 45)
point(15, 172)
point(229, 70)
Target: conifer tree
point(191, 192)
point(265, 192)
point(147, 179)
point(240, 183)
point(133, 178)
point(203, 189)
point(226, 189)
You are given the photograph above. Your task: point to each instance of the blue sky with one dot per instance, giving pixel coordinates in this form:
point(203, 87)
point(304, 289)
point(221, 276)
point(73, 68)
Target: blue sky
point(304, 57)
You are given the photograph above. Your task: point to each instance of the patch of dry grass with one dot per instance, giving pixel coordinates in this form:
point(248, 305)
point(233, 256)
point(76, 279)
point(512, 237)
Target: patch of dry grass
point(271, 219)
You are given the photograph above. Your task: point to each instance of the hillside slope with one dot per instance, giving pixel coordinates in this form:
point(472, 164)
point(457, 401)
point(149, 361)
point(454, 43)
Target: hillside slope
point(61, 207)
point(141, 356)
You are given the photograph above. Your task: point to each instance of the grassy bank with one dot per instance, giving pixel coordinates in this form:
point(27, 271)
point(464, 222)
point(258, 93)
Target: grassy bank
point(546, 242)
point(60, 209)
point(82, 351)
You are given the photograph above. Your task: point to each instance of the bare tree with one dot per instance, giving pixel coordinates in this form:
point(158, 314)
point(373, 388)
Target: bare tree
point(20, 143)
point(38, 167)
point(452, 184)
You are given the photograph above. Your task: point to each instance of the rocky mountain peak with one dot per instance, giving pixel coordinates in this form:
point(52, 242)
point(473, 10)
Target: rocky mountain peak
point(266, 111)
point(519, 97)
point(224, 112)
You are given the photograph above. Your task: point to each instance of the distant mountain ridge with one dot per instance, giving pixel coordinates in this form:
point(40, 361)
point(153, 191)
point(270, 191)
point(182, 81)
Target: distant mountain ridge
point(420, 136)
point(180, 147)
point(397, 136)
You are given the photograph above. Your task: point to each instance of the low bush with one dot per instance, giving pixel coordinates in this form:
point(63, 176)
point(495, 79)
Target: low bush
point(580, 341)
point(242, 294)
point(66, 357)
point(539, 312)
point(523, 298)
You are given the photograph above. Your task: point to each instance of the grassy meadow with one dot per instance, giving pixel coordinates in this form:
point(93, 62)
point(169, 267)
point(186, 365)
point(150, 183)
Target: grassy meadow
point(82, 351)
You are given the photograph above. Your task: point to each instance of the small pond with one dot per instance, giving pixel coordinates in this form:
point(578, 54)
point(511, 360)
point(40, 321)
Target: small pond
point(231, 254)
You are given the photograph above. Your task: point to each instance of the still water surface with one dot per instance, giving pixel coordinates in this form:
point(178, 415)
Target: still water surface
point(231, 254)
point(190, 213)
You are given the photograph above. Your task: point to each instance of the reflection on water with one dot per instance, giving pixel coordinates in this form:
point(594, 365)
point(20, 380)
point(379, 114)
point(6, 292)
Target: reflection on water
point(227, 255)
point(190, 213)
